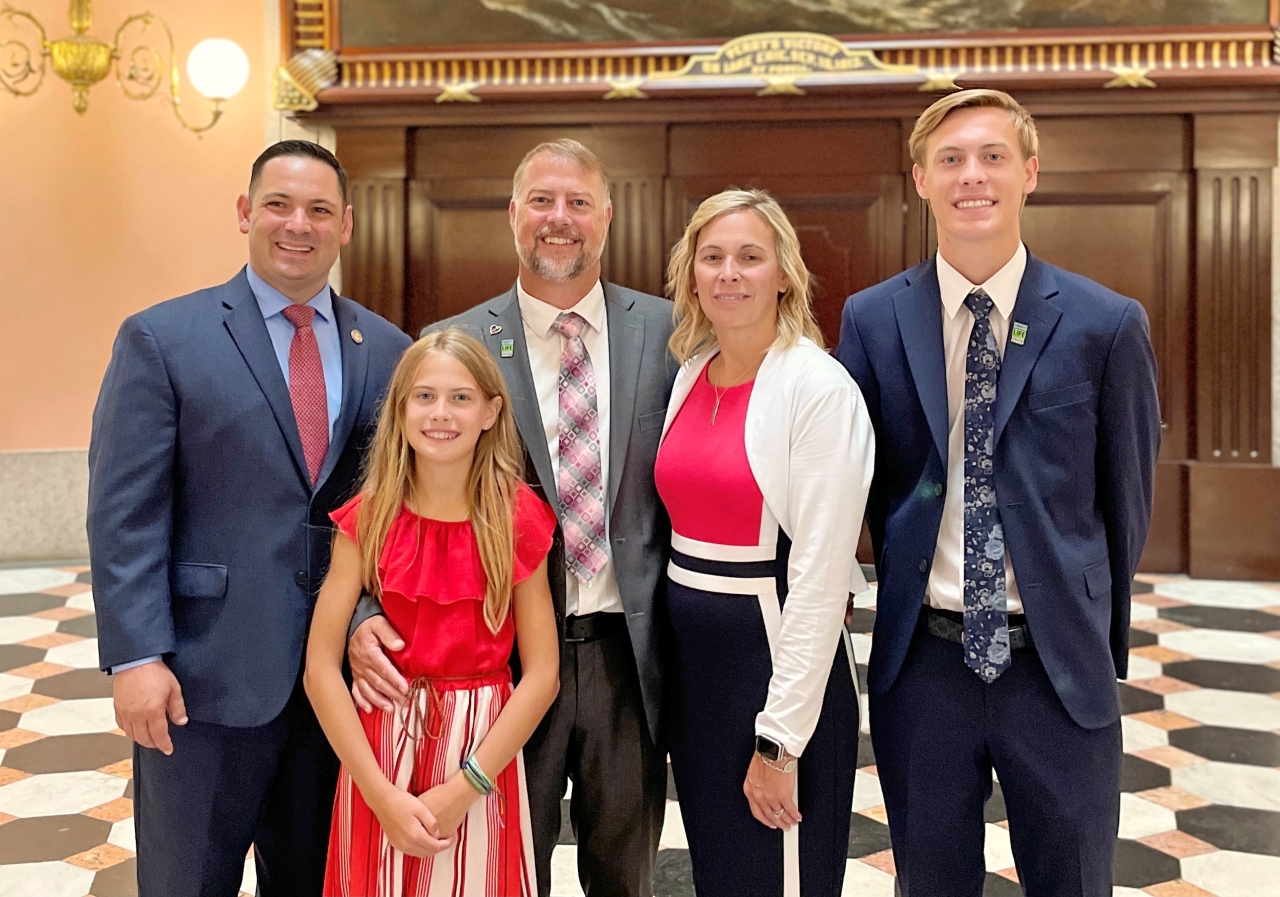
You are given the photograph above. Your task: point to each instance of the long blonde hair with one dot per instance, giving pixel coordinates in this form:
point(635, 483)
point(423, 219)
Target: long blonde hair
point(693, 332)
point(496, 470)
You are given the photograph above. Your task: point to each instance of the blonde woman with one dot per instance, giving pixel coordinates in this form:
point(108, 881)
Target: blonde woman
point(431, 796)
point(764, 469)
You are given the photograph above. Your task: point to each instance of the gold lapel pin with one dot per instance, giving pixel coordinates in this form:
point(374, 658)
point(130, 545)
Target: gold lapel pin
point(495, 329)
point(357, 337)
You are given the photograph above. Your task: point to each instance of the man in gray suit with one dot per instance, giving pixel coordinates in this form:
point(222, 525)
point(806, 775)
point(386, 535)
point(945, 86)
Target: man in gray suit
point(590, 375)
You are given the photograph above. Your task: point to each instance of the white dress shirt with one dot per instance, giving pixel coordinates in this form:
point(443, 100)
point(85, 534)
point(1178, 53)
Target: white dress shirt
point(946, 579)
point(546, 346)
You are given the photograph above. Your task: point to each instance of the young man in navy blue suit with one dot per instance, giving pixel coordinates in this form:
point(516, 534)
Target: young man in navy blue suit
point(1017, 428)
point(230, 422)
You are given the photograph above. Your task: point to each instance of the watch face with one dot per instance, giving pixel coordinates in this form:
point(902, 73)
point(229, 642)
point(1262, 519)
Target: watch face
point(768, 748)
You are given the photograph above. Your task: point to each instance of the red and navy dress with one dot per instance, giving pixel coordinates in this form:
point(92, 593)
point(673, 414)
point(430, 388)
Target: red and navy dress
point(726, 588)
point(433, 588)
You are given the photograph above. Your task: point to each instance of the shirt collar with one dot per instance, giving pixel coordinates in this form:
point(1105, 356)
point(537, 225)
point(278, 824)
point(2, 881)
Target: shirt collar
point(1002, 286)
point(540, 316)
point(271, 301)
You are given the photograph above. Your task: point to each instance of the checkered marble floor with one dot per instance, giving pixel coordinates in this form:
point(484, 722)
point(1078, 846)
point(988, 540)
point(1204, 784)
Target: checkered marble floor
point(1200, 812)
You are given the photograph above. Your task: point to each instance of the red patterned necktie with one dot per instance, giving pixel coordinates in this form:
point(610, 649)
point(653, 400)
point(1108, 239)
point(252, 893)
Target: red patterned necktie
point(579, 479)
point(306, 389)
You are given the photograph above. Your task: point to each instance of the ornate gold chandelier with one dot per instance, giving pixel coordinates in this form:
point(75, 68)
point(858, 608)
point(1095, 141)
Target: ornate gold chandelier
point(218, 68)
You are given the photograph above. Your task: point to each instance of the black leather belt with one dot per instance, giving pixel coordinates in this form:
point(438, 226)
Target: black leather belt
point(593, 627)
point(949, 625)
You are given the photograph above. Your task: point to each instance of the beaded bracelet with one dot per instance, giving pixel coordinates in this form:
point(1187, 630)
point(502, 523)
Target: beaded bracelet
point(476, 776)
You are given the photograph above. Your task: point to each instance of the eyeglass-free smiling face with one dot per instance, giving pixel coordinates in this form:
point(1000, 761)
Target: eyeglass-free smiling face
point(736, 274)
point(446, 411)
point(560, 219)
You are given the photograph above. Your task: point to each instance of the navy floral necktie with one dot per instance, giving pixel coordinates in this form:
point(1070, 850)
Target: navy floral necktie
point(986, 610)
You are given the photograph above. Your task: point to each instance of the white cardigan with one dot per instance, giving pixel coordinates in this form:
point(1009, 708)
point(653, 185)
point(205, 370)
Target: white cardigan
point(812, 451)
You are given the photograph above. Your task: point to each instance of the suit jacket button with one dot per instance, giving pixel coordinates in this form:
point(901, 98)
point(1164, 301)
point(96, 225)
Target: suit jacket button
point(937, 488)
point(924, 566)
point(300, 578)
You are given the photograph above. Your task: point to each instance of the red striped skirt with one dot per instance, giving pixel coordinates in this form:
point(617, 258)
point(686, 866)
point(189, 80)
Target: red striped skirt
point(418, 749)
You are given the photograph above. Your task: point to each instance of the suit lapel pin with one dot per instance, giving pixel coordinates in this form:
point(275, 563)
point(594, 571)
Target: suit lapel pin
point(495, 329)
point(1018, 335)
point(508, 347)
point(357, 337)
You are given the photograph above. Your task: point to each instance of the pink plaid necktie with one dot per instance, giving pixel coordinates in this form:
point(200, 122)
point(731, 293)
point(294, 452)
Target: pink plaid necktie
point(306, 389)
point(579, 478)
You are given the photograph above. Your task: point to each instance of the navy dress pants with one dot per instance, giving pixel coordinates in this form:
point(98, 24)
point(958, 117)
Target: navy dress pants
point(940, 730)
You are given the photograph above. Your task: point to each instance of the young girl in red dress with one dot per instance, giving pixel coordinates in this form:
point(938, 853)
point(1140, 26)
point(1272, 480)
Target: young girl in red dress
point(431, 797)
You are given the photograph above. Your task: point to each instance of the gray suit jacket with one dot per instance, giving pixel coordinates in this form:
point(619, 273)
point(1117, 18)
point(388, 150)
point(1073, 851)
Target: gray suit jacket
point(640, 377)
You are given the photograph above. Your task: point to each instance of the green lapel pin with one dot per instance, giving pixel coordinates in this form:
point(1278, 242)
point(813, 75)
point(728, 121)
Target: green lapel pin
point(1018, 335)
point(508, 348)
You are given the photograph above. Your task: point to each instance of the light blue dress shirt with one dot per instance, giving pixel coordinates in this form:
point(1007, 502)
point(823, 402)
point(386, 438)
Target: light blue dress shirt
point(272, 303)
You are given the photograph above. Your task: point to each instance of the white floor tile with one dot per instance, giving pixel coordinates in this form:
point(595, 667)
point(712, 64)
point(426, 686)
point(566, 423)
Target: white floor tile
point(866, 791)
point(19, 629)
point(1140, 611)
point(83, 601)
point(1128, 892)
point(996, 848)
point(1219, 593)
point(867, 598)
point(59, 793)
point(1143, 668)
point(82, 655)
point(32, 579)
point(861, 647)
point(124, 835)
point(14, 686)
point(1218, 644)
point(1139, 818)
point(56, 879)
point(673, 828)
point(861, 880)
point(1257, 787)
point(249, 884)
point(79, 717)
point(564, 872)
point(1139, 736)
point(1236, 709)
point(1227, 873)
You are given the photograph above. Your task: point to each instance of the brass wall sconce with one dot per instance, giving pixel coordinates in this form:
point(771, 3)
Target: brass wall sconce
point(217, 68)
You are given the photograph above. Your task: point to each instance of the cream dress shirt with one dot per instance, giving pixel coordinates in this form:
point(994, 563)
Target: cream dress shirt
point(546, 346)
point(946, 579)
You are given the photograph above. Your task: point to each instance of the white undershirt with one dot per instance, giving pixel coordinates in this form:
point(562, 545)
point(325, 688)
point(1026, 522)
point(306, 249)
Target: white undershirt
point(946, 579)
point(546, 346)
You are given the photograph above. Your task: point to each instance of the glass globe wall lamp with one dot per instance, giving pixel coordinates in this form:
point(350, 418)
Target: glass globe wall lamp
point(217, 68)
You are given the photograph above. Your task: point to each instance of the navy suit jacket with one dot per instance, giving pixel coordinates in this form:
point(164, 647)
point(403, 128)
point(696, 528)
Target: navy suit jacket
point(1077, 430)
point(206, 539)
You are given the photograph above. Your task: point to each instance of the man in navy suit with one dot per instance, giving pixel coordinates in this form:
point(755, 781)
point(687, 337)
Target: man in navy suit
point(230, 422)
point(1017, 427)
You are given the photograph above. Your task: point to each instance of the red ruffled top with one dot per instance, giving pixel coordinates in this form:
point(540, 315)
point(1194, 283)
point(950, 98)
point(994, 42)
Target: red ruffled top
point(433, 587)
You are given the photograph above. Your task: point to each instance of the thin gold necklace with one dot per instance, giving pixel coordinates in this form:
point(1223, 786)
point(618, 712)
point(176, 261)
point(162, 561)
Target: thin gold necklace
point(720, 395)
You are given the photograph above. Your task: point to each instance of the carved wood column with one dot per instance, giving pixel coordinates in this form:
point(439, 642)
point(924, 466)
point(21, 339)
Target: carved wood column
point(1235, 492)
point(373, 265)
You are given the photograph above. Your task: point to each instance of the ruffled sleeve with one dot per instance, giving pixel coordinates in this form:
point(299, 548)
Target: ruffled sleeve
point(347, 515)
point(535, 524)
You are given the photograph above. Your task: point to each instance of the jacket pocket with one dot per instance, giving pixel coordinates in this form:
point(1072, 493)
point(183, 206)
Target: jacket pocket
point(198, 580)
point(1097, 579)
point(653, 420)
point(1054, 398)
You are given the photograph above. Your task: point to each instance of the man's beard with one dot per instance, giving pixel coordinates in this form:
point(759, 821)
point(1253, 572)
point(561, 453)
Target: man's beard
point(561, 271)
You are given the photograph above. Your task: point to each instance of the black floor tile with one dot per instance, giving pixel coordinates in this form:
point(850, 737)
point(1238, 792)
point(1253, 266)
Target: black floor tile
point(1229, 745)
point(671, 785)
point(8, 719)
point(994, 810)
point(44, 838)
point(1139, 638)
point(69, 753)
point(120, 880)
point(86, 577)
point(672, 874)
point(74, 685)
point(1137, 774)
point(1138, 700)
point(128, 792)
point(1231, 618)
point(867, 836)
point(86, 626)
point(1229, 676)
point(14, 656)
point(566, 827)
point(864, 620)
point(999, 886)
point(1139, 866)
point(866, 756)
point(1138, 587)
point(1232, 828)
point(30, 603)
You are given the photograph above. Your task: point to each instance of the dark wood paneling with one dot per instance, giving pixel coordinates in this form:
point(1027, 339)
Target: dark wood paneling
point(1133, 143)
point(625, 150)
point(373, 262)
point(1166, 549)
point(738, 151)
point(635, 256)
point(1129, 232)
point(1233, 330)
point(1235, 141)
point(1234, 521)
